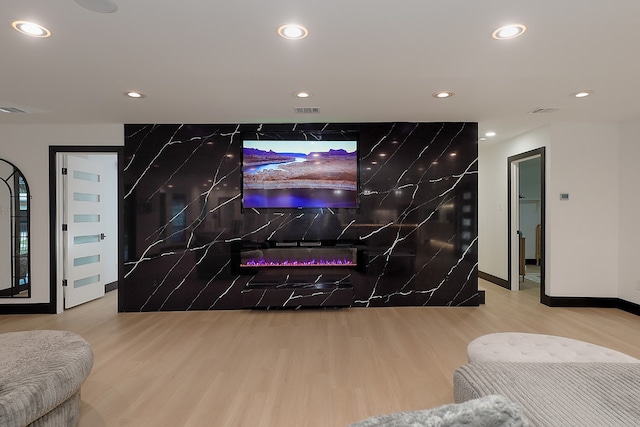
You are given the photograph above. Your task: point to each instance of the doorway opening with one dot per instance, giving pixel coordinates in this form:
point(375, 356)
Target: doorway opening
point(95, 253)
point(526, 213)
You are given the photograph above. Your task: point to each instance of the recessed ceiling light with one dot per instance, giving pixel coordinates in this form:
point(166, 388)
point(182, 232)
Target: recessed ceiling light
point(31, 29)
point(509, 32)
point(302, 94)
point(443, 94)
point(482, 139)
point(292, 31)
point(490, 134)
point(582, 94)
point(134, 94)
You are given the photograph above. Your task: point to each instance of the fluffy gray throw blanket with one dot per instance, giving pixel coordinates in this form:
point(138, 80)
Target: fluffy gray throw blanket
point(488, 411)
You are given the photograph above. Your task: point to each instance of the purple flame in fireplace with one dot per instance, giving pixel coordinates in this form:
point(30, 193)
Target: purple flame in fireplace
point(299, 263)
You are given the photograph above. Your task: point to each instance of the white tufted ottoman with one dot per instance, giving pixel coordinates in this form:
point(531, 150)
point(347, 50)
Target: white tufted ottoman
point(524, 347)
point(40, 377)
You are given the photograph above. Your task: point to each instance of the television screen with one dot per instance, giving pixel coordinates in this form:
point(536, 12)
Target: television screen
point(298, 174)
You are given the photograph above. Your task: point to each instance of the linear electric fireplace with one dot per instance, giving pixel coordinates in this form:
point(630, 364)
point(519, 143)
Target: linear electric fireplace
point(299, 257)
point(297, 274)
point(293, 257)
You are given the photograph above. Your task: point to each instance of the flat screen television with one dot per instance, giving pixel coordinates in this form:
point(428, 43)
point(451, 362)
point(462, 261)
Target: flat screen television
point(319, 172)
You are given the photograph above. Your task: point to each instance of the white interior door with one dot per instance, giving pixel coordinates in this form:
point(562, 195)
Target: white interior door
point(83, 214)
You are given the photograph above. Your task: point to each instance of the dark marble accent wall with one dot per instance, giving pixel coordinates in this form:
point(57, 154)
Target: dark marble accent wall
point(415, 231)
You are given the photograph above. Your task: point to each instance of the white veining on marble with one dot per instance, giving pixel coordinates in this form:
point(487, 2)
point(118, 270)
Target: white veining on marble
point(463, 285)
point(445, 279)
point(378, 230)
point(406, 170)
point(159, 285)
point(380, 141)
point(283, 225)
point(135, 152)
point(333, 291)
point(315, 217)
point(293, 297)
point(206, 286)
point(142, 258)
point(150, 165)
point(416, 273)
point(226, 291)
point(346, 228)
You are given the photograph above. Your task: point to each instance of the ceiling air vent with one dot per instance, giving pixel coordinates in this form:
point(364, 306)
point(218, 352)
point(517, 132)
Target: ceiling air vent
point(540, 110)
point(12, 110)
point(306, 110)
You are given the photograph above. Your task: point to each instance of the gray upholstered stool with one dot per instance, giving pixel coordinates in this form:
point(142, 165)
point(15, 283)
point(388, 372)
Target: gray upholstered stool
point(524, 347)
point(40, 377)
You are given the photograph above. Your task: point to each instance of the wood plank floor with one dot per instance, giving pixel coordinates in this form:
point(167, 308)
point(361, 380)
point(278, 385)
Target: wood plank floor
point(297, 368)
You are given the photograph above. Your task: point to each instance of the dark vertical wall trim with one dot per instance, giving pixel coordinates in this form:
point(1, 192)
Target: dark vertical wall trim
point(543, 207)
point(53, 265)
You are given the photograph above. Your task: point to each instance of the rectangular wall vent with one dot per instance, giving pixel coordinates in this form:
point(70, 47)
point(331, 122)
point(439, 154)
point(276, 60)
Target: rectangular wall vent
point(307, 110)
point(540, 110)
point(12, 110)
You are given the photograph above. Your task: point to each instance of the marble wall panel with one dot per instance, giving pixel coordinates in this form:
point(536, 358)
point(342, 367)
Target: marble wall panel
point(415, 230)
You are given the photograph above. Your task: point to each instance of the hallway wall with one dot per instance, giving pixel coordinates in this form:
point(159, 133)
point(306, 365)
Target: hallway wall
point(493, 198)
point(629, 252)
point(28, 148)
point(581, 233)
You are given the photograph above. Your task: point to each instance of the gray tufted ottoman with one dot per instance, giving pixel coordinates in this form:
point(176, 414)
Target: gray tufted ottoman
point(40, 377)
point(525, 347)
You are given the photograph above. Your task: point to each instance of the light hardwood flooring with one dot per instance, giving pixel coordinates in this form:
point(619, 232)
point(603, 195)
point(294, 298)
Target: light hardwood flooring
point(297, 368)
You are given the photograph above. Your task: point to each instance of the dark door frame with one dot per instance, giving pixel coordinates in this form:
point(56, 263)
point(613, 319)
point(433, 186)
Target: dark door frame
point(53, 190)
point(543, 214)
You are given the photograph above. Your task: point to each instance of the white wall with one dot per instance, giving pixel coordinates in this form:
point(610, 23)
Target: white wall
point(629, 216)
point(581, 234)
point(28, 148)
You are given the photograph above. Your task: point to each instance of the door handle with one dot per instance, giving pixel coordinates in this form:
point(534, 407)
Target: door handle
point(102, 236)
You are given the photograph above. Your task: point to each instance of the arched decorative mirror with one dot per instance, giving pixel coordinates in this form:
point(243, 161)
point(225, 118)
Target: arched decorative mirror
point(14, 233)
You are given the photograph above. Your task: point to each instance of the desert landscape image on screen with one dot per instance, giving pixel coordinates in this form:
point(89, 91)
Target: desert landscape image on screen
point(300, 174)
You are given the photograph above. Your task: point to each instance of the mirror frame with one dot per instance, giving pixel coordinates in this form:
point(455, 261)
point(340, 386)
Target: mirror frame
point(20, 218)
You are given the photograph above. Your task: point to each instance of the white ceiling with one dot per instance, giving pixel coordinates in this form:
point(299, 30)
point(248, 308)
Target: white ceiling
point(364, 61)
